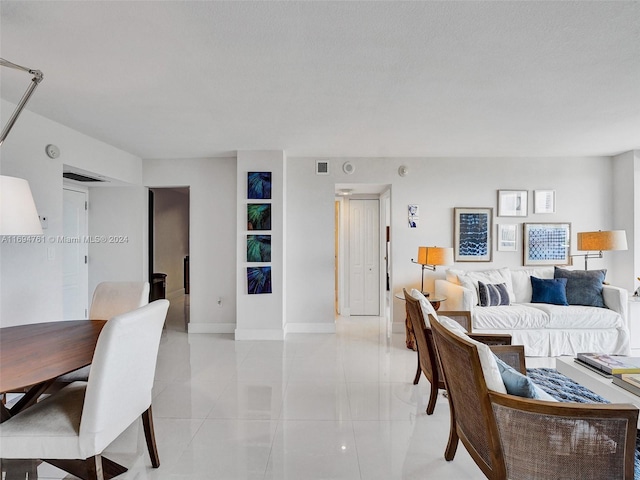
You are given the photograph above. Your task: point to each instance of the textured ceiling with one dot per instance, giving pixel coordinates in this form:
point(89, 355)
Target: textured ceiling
point(180, 79)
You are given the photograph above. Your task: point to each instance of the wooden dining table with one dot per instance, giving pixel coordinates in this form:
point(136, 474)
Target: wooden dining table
point(32, 356)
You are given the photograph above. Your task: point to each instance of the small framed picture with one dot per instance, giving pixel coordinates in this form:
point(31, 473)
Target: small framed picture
point(508, 237)
point(412, 210)
point(546, 243)
point(512, 203)
point(544, 201)
point(472, 230)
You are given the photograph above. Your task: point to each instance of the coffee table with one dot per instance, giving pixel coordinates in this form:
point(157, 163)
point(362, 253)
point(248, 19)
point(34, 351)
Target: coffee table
point(595, 382)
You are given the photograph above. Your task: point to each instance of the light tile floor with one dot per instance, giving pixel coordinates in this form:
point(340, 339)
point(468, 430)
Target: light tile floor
point(315, 406)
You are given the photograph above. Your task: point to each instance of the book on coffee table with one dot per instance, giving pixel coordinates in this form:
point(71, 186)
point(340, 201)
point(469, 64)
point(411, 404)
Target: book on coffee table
point(628, 381)
point(609, 364)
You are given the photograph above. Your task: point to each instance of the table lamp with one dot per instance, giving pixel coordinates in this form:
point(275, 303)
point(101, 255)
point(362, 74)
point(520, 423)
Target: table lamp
point(430, 257)
point(18, 215)
point(599, 241)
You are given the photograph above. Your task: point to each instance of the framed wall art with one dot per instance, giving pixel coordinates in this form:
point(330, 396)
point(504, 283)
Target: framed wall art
point(544, 201)
point(258, 185)
point(258, 216)
point(546, 243)
point(258, 280)
point(472, 228)
point(258, 248)
point(512, 203)
point(507, 237)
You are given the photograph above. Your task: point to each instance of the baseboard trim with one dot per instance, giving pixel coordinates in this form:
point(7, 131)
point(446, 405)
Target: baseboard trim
point(259, 334)
point(300, 327)
point(211, 327)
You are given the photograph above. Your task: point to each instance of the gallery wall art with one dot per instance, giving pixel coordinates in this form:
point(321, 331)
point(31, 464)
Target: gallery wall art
point(472, 234)
point(546, 243)
point(258, 216)
point(258, 248)
point(259, 185)
point(258, 280)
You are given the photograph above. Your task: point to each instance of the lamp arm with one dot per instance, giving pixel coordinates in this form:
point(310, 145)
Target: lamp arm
point(428, 267)
point(37, 78)
point(587, 256)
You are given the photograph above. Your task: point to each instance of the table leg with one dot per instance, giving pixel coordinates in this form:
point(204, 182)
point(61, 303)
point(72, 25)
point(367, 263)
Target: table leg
point(78, 468)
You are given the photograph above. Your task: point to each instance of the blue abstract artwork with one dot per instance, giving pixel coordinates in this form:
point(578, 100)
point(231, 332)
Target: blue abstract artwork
point(258, 280)
point(259, 185)
point(546, 243)
point(473, 234)
point(474, 228)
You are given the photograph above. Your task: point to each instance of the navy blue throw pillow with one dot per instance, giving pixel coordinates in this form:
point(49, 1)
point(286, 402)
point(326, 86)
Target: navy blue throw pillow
point(584, 287)
point(552, 290)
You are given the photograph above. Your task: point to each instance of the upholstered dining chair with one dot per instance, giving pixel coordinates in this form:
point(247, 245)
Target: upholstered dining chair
point(511, 437)
point(109, 299)
point(419, 311)
point(82, 419)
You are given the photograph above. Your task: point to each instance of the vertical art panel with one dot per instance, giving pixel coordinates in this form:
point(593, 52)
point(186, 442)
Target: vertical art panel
point(472, 234)
point(258, 248)
point(259, 185)
point(258, 280)
point(258, 216)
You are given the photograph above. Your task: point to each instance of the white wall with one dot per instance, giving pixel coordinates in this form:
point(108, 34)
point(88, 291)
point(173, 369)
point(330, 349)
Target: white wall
point(626, 216)
point(583, 197)
point(212, 240)
point(171, 236)
point(118, 216)
point(31, 285)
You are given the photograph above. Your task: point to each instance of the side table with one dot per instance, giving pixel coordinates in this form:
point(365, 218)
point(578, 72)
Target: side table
point(410, 339)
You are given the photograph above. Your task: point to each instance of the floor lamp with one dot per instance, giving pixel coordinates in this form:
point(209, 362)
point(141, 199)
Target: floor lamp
point(599, 241)
point(18, 215)
point(430, 257)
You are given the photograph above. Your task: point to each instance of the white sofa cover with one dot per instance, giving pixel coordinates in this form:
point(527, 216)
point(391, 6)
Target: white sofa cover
point(544, 329)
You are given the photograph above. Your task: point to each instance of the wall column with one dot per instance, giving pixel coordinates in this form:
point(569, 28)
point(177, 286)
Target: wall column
point(262, 316)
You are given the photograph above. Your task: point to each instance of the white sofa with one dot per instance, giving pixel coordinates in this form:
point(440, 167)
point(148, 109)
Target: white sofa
point(544, 329)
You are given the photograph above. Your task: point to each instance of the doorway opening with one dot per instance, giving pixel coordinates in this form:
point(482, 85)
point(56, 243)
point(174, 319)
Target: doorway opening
point(169, 252)
point(362, 247)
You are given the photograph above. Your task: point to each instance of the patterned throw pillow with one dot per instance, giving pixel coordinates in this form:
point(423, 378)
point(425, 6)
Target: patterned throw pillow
point(492, 295)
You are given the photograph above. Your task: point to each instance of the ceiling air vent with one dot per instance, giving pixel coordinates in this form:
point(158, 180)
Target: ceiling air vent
point(80, 178)
point(322, 167)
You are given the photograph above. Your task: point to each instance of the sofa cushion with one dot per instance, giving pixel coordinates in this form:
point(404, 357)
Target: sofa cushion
point(584, 287)
point(580, 316)
point(490, 370)
point(513, 317)
point(552, 291)
point(522, 284)
point(425, 305)
point(492, 294)
point(470, 279)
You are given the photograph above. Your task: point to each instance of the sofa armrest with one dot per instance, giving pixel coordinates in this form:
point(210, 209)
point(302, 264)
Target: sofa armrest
point(616, 299)
point(457, 297)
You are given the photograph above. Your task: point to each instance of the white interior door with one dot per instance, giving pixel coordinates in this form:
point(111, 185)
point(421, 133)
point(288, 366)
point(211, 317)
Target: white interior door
point(74, 254)
point(364, 257)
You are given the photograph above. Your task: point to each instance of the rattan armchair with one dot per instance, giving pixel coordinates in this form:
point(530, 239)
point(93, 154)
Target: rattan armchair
point(511, 437)
point(428, 362)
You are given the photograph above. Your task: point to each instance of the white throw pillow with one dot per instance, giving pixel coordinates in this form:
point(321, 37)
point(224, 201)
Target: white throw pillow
point(452, 274)
point(490, 369)
point(470, 280)
point(521, 281)
point(426, 306)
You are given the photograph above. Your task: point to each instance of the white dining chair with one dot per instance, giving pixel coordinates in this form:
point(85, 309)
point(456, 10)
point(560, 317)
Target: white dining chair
point(109, 299)
point(82, 419)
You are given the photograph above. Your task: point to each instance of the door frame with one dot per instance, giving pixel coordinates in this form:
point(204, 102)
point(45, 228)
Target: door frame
point(85, 279)
point(384, 198)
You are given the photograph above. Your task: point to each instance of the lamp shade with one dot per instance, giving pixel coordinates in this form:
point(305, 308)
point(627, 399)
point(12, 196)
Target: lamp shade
point(435, 255)
point(18, 215)
point(598, 241)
